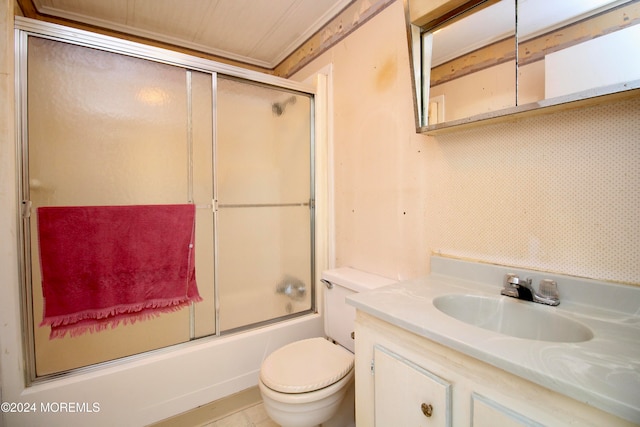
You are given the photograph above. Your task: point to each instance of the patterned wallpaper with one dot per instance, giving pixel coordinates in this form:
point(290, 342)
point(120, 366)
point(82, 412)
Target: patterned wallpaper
point(558, 192)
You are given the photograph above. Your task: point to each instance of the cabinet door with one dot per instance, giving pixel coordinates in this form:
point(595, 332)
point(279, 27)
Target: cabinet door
point(406, 394)
point(488, 413)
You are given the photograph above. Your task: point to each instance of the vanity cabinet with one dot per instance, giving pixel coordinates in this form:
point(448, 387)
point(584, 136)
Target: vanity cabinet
point(399, 374)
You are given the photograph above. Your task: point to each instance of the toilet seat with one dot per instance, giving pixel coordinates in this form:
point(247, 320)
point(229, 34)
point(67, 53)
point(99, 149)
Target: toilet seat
point(305, 366)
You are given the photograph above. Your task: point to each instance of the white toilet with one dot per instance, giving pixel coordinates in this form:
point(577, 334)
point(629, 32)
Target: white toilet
point(310, 382)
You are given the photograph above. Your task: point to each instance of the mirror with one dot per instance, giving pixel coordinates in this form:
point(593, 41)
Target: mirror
point(505, 57)
point(572, 46)
point(472, 64)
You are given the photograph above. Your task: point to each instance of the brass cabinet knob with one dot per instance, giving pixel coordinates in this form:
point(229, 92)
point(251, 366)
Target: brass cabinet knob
point(427, 409)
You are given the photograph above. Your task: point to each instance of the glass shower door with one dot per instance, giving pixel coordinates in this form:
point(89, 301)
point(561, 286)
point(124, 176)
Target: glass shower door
point(101, 128)
point(107, 129)
point(263, 193)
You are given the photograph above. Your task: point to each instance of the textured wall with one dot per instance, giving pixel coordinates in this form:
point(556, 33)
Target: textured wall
point(556, 192)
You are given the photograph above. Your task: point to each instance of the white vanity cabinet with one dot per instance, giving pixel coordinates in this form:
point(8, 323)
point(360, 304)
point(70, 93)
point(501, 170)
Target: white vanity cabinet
point(398, 373)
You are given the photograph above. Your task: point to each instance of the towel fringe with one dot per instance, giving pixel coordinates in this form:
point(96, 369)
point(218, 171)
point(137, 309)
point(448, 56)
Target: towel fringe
point(112, 317)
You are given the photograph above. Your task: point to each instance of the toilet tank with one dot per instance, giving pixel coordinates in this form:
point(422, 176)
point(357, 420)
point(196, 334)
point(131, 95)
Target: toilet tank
point(339, 317)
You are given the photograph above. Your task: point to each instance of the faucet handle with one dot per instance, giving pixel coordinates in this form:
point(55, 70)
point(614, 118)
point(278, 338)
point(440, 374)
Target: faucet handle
point(549, 289)
point(509, 286)
point(513, 280)
point(510, 280)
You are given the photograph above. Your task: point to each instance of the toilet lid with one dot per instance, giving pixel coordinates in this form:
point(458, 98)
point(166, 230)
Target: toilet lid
point(305, 366)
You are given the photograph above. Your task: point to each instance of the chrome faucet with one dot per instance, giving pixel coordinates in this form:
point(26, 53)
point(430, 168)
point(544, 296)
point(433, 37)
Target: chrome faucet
point(523, 289)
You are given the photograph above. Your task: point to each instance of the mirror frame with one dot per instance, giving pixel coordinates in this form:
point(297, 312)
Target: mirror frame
point(419, 74)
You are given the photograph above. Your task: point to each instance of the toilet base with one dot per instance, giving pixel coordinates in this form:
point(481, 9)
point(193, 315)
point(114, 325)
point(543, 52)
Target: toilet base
point(345, 417)
point(336, 410)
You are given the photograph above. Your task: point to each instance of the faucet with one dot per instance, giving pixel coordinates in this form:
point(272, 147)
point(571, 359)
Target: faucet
point(523, 289)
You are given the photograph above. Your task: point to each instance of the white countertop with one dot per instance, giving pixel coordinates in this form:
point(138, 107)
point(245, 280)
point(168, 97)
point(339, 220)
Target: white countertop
point(603, 372)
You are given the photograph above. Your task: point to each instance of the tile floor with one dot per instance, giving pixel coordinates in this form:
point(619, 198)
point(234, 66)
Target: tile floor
point(254, 416)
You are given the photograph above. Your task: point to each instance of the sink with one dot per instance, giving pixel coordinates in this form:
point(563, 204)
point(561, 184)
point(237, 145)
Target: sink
point(512, 317)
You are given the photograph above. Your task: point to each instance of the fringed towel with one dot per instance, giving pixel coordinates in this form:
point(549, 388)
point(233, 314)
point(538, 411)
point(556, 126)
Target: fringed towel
point(102, 265)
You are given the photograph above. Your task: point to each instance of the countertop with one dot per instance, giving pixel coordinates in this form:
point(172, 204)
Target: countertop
point(603, 372)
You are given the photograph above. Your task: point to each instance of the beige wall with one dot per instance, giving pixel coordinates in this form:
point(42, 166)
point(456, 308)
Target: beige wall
point(555, 192)
point(9, 299)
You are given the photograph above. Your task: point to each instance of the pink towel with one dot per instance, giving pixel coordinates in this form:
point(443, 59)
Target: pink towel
point(105, 264)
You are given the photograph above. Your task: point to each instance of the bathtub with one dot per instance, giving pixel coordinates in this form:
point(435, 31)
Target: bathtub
point(153, 386)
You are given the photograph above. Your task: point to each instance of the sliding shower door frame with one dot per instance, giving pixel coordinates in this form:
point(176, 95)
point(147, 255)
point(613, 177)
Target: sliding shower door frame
point(25, 28)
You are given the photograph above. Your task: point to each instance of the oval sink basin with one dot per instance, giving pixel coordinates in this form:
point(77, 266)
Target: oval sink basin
point(515, 318)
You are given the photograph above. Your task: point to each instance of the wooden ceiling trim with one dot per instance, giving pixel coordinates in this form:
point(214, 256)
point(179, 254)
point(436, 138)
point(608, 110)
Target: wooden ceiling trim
point(352, 17)
point(29, 10)
point(348, 20)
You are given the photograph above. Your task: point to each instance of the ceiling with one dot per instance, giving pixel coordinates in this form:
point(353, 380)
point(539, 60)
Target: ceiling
point(258, 32)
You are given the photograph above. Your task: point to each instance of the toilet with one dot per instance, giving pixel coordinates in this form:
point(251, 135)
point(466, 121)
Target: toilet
point(311, 382)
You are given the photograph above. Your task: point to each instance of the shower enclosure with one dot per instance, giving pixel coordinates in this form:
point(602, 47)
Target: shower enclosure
point(103, 126)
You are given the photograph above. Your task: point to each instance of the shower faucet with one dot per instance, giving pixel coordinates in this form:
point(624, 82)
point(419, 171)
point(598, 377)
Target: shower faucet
point(278, 107)
point(292, 287)
point(523, 289)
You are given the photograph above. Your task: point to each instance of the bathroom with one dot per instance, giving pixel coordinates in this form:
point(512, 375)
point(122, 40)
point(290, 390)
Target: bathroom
point(554, 192)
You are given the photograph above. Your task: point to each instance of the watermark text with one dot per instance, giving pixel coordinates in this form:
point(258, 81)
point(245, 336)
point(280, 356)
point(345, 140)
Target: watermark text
point(50, 407)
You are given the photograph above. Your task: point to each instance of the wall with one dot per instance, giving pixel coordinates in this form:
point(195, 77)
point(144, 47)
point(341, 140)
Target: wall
point(554, 192)
point(9, 334)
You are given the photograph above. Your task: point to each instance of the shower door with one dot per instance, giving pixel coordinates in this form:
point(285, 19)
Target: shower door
point(108, 129)
point(105, 129)
point(263, 194)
